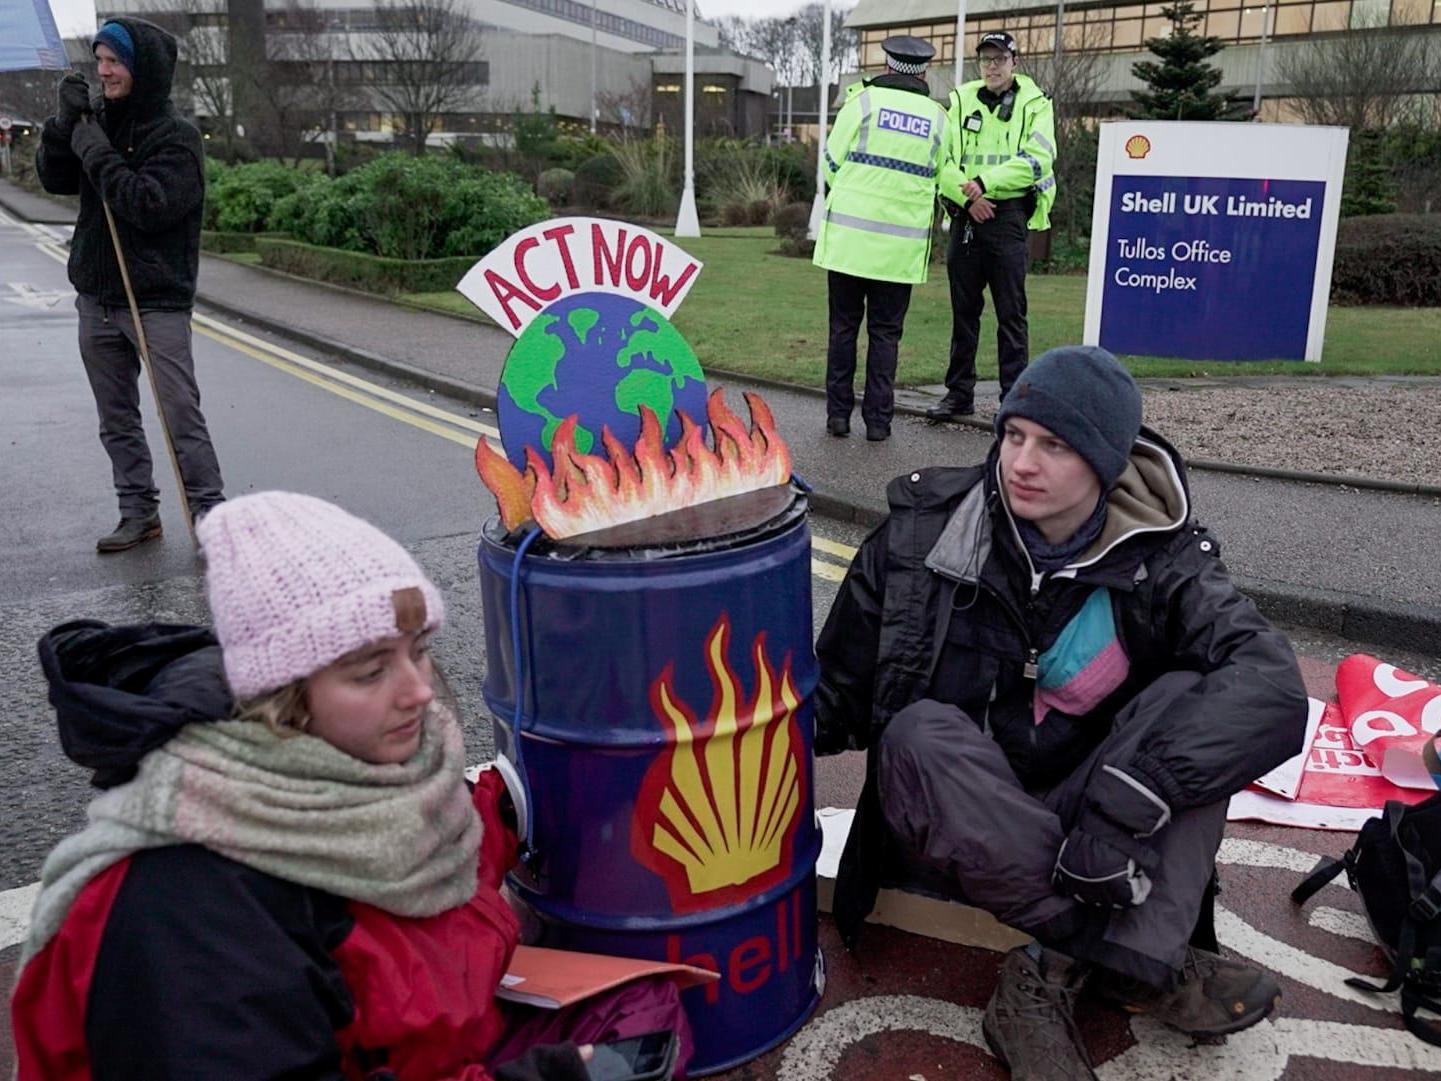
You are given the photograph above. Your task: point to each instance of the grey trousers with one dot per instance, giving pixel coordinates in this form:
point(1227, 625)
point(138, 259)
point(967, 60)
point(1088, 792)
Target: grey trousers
point(955, 807)
point(112, 363)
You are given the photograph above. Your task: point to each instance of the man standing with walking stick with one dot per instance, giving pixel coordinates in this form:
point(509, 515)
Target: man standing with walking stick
point(130, 153)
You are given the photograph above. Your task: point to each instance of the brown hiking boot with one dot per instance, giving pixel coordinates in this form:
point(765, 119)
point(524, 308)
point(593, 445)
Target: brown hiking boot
point(1030, 1024)
point(1216, 995)
point(129, 533)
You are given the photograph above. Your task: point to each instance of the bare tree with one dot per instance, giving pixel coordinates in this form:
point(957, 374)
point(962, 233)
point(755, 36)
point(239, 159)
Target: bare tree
point(205, 67)
point(1073, 77)
point(296, 86)
point(428, 57)
point(1371, 77)
point(810, 30)
point(628, 109)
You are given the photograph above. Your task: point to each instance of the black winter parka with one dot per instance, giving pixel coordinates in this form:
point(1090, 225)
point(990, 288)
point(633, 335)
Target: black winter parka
point(153, 177)
point(969, 634)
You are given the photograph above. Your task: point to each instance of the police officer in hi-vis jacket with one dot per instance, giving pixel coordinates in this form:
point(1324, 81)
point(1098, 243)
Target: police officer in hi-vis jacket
point(881, 160)
point(1000, 149)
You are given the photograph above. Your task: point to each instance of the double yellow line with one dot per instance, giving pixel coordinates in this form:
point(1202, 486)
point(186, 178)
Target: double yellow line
point(829, 558)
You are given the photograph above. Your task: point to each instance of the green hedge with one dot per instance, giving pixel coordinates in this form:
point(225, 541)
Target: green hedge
point(1392, 259)
point(404, 207)
point(227, 243)
point(241, 198)
point(357, 270)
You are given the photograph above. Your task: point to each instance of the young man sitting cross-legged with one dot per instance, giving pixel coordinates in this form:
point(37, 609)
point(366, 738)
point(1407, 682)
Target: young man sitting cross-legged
point(1059, 688)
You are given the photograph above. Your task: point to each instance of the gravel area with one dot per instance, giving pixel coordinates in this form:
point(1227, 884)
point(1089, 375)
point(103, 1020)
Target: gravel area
point(1388, 432)
point(1381, 431)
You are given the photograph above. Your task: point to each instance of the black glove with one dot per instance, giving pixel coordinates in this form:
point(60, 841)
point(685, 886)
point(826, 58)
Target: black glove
point(1101, 865)
point(74, 100)
point(86, 136)
point(549, 1062)
point(1106, 859)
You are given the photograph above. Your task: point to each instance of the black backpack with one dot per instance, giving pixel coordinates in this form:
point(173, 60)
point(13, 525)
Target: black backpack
point(1395, 867)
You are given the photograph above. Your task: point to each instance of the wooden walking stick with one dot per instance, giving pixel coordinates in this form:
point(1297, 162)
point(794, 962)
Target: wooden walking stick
point(144, 350)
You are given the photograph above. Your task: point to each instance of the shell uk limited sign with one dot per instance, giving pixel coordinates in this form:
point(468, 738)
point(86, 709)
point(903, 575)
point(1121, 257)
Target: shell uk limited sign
point(1214, 241)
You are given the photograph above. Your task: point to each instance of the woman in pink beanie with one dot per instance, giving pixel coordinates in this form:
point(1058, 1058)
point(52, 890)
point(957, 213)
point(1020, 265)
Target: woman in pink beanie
point(286, 874)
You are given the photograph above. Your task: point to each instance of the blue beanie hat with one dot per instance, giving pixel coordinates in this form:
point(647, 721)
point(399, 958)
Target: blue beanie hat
point(1084, 395)
point(118, 38)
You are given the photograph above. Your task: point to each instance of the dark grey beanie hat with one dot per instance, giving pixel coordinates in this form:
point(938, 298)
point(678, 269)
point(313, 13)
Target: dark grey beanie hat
point(1084, 395)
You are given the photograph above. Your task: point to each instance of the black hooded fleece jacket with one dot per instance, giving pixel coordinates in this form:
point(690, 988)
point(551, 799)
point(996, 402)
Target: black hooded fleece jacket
point(153, 176)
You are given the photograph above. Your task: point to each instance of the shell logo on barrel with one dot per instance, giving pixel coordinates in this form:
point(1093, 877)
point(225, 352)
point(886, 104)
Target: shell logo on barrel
point(717, 812)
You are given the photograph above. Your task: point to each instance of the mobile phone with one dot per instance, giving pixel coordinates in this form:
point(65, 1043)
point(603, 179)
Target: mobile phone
point(640, 1058)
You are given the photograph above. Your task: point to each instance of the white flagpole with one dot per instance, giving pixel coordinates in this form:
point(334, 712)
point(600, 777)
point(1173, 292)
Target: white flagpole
point(818, 205)
point(687, 223)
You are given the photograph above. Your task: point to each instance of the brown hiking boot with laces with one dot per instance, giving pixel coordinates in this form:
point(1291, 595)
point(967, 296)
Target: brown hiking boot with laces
point(1030, 1024)
point(1215, 995)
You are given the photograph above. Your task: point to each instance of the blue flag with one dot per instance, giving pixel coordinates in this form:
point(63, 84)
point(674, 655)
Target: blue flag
point(28, 37)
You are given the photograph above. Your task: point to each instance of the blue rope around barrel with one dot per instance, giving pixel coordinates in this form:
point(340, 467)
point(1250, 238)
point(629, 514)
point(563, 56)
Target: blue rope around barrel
point(525, 842)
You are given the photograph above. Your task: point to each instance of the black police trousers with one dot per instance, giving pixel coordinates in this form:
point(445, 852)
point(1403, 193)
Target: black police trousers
point(883, 306)
point(995, 255)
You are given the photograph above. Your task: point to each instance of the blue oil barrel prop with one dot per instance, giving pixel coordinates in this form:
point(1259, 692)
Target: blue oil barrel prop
point(666, 737)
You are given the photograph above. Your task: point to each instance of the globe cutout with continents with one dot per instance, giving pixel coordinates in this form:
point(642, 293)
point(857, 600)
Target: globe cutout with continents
point(601, 357)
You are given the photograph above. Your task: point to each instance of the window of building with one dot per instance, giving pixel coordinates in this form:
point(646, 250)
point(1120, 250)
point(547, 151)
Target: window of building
point(1292, 19)
point(1331, 16)
point(1126, 27)
point(1410, 12)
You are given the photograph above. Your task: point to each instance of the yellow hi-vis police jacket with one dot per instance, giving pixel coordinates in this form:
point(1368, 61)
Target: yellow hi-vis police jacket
point(881, 162)
point(1009, 157)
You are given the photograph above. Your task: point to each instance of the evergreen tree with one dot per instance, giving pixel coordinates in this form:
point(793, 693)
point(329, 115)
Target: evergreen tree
point(1369, 187)
point(1181, 86)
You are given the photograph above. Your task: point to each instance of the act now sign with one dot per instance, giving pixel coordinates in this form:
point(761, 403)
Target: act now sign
point(1214, 241)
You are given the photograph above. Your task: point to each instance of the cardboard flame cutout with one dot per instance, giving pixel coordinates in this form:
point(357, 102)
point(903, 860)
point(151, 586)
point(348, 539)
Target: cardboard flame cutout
point(586, 492)
point(717, 812)
point(590, 301)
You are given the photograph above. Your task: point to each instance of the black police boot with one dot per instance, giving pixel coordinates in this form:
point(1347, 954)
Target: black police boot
point(877, 433)
point(129, 533)
point(838, 426)
point(951, 407)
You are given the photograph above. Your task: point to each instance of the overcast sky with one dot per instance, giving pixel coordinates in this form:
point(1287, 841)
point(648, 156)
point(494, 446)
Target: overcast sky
point(74, 18)
point(713, 9)
point(77, 17)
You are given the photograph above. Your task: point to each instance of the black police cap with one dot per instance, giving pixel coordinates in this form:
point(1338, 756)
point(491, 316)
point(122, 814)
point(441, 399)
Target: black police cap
point(908, 49)
point(1001, 40)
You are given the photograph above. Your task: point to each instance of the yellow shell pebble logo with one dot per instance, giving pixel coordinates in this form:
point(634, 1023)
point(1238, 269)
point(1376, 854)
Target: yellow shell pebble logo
point(1138, 146)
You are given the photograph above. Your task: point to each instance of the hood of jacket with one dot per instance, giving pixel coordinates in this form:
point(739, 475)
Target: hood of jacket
point(1152, 497)
point(120, 692)
point(154, 72)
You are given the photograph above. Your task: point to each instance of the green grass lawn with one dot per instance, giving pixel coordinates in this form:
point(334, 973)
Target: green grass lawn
point(756, 313)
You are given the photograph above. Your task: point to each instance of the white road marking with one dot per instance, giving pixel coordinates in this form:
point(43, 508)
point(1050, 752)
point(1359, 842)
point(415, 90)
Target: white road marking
point(1286, 960)
point(15, 906)
point(1249, 853)
point(1261, 1053)
point(1339, 922)
point(26, 295)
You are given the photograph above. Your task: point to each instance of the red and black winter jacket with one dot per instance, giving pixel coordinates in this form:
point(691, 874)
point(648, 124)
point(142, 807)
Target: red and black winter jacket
point(179, 963)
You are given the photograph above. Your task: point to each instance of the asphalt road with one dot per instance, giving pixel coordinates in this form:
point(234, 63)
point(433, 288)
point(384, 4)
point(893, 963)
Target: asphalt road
point(402, 458)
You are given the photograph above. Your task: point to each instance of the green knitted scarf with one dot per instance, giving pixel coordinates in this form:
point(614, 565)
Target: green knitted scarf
point(403, 837)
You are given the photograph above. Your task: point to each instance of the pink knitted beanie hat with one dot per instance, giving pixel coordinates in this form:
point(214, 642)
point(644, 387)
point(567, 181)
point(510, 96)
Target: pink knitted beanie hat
point(295, 583)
